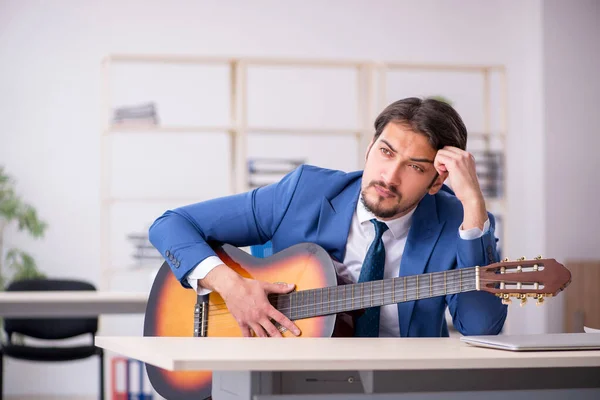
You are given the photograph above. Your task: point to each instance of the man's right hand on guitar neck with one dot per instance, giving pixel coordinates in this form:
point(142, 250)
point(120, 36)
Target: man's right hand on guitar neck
point(247, 301)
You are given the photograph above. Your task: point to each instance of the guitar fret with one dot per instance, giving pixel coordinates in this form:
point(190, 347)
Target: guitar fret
point(335, 299)
point(445, 287)
point(362, 296)
point(440, 285)
point(305, 303)
point(322, 302)
point(417, 286)
point(386, 294)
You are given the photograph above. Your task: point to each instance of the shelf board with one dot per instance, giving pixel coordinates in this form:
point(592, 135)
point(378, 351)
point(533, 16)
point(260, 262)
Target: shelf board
point(186, 200)
point(147, 128)
point(305, 131)
point(442, 67)
point(144, 129)
point(167, 59)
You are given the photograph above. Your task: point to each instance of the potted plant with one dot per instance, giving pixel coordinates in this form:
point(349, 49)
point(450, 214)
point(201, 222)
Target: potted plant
point(14, 210)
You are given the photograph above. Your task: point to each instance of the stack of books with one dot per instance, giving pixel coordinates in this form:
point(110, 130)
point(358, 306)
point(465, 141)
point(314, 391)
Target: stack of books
point(145, 253)
point(264, 171)
point(489, 172)
point(141, 114)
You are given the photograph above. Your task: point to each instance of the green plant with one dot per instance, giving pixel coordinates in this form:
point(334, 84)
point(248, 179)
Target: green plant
point(14, 209)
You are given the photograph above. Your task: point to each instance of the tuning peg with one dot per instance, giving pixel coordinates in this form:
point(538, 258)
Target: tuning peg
point(539, 257)
point(539, 301)
point(506, 259)
point(521, 259)
point(523, 301)
point(506, 301)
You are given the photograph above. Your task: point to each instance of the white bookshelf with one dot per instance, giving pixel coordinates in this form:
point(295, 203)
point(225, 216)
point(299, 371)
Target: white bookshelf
point(373, 85)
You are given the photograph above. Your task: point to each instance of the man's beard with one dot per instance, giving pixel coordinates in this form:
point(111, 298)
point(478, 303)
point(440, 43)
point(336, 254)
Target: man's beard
point(384, 212)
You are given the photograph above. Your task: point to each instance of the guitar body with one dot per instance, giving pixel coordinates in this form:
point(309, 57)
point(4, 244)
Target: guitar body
point(170, 309)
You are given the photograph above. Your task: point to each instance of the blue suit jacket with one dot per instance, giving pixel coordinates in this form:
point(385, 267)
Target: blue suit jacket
point(316, 205)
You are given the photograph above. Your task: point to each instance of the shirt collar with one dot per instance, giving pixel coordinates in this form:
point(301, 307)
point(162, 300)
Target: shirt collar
point(398, 226)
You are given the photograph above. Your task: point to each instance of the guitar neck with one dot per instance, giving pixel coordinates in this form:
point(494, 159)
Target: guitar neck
point(345, 298)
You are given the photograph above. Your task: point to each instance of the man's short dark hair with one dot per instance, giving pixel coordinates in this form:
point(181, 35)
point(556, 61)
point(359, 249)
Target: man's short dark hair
point(430, 117)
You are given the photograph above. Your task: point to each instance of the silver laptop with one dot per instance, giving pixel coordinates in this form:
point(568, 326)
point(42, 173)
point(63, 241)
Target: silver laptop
point(537, 342)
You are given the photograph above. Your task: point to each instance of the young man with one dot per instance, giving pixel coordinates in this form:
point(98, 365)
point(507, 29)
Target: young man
point(394, 218)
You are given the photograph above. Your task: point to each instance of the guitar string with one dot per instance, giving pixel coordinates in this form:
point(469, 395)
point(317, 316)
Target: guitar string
point(412, 288)
point(300, 311)
point(399, 292)
point(411, 280)
point(223, 320)
point(227, 323)
point(350, 300)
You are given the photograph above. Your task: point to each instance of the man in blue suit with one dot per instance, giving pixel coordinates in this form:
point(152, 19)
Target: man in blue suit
point(394, 218)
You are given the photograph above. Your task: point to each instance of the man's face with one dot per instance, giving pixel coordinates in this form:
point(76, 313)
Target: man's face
point(398, 172)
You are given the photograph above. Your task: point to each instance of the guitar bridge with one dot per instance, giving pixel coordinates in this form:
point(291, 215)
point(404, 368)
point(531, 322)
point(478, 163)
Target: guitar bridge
point(201, 316)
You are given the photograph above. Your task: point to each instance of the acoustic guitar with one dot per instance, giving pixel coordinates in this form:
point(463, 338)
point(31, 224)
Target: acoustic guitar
point(318, 300)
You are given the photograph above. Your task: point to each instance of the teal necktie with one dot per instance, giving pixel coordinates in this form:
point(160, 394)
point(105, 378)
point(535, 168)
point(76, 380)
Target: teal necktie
point(367, 325)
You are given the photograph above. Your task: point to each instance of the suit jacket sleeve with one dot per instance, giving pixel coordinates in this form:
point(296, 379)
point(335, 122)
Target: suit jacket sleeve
point(184, 235)
point(477, 312)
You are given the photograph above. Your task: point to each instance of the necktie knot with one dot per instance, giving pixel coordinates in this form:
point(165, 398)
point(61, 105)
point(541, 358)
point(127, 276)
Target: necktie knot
point(380, 228)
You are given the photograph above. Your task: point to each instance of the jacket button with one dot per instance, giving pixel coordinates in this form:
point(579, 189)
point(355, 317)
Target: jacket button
point(167, 253)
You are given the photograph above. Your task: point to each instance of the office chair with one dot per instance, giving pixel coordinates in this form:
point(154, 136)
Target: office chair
point(50, 329)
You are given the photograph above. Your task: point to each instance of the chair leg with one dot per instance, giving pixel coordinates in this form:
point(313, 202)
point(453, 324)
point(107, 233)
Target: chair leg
point(101, 357)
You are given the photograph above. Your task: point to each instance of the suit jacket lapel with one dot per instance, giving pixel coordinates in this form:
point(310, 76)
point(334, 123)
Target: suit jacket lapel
point(422, 236)
point(335, 219)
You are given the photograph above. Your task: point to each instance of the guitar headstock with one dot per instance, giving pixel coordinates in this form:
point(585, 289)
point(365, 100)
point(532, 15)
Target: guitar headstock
point(521, 279)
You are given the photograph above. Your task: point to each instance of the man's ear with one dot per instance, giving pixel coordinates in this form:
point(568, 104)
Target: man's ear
point(436, 185)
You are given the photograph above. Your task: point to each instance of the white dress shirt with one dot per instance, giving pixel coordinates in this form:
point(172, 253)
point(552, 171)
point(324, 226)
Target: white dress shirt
point(362, 233)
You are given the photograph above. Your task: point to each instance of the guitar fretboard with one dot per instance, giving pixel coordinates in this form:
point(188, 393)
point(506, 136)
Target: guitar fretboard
point(336, 299)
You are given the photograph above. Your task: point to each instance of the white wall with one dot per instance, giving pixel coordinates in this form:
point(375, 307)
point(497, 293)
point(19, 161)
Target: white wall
point(50, 55)
point(571, 102)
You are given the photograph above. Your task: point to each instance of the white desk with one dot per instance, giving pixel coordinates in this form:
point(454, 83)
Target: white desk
point(70, 303)
point(449, 358)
